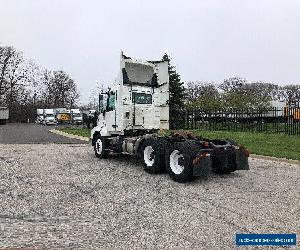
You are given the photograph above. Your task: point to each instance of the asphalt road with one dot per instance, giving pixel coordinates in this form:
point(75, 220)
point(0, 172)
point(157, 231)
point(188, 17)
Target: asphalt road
point(23, 133)
point(62, 197)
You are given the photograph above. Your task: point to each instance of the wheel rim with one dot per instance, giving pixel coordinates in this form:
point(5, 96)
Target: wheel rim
point(149, 156)
point(175, 162)
point(99, 146)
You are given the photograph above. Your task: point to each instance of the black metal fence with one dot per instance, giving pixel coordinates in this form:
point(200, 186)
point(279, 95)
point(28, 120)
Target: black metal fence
point(273, 120)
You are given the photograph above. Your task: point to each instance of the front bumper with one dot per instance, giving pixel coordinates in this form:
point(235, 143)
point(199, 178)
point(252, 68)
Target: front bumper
point(77, 122)
point(50, 123)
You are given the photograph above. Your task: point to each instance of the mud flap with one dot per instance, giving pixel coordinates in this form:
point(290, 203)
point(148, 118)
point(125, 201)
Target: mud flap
point(241, 160)
point(202, 167)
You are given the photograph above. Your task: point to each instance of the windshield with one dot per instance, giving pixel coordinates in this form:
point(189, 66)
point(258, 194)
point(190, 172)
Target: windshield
point(76, 115)
point(142, 98)
point(49, 115)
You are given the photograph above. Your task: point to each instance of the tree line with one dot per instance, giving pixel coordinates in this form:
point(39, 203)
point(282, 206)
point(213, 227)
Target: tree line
point(238, 93)
point(25, 86)
point(232, 93)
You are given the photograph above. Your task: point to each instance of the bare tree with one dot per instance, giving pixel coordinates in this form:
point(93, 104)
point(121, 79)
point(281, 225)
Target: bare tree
point(16, 75)
point(291, 93)
point(239, 93)
point(24, 85)
point(6, 58)
point(233, 83)
point(202, 95)
point(60, 90)
point(94, 95)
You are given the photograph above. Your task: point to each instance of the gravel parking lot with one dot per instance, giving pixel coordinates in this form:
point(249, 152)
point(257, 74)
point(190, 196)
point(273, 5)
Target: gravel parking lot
point(62, 197)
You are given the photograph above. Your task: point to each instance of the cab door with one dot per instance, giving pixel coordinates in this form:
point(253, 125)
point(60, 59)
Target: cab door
point(110, 112)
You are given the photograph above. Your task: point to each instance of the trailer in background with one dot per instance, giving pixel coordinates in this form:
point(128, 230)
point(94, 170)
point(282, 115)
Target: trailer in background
point(59, 110)
point(4, 115)
point(63, 117)
point(39, 115)
point(292, 111)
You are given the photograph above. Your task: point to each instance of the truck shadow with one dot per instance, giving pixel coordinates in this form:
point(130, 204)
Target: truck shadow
point(131, 162)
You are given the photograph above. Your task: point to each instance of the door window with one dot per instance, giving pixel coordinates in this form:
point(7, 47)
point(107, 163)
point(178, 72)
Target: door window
point(111, 102)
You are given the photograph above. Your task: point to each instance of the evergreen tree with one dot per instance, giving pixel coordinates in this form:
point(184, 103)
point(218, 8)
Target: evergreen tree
point(177, 94)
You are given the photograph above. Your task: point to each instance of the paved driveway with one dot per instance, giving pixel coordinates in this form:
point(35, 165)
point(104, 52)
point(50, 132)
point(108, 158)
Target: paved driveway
point(22, 133)
point(62, 197)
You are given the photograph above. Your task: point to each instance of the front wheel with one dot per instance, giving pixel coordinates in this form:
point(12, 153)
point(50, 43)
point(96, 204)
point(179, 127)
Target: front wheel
point(100, 147)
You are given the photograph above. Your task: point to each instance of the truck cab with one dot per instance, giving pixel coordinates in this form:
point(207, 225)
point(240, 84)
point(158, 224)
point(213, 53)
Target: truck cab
point(139, 102)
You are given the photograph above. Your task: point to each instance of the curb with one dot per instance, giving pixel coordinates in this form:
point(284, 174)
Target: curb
point(78, 137)
point(271, 158)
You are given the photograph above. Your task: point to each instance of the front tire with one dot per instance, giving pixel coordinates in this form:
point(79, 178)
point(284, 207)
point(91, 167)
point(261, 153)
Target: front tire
point(100, 147)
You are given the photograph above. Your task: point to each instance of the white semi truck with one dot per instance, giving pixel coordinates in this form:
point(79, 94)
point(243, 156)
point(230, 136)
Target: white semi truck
point(39, 115)
point(4, 115)
point(49, 117)
point(137, 108)
point(76, 116)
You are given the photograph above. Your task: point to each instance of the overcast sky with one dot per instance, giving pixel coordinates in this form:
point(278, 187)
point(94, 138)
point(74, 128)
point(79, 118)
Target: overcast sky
point(209, 40)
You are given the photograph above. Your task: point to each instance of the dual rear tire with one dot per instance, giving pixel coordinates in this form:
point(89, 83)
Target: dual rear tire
point(179, 160)
point(152, 152)
point(159, 156)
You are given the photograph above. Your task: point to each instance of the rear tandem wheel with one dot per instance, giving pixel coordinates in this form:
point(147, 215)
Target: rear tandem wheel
point(151, 154)
point(179, 160)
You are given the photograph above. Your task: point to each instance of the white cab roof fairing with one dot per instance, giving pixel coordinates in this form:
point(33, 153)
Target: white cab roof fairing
point(143, 73)
point(162, 72)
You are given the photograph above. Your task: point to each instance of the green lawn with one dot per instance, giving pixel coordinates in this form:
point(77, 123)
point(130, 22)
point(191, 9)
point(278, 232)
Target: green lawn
point(277, 145)
point(77, 131)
